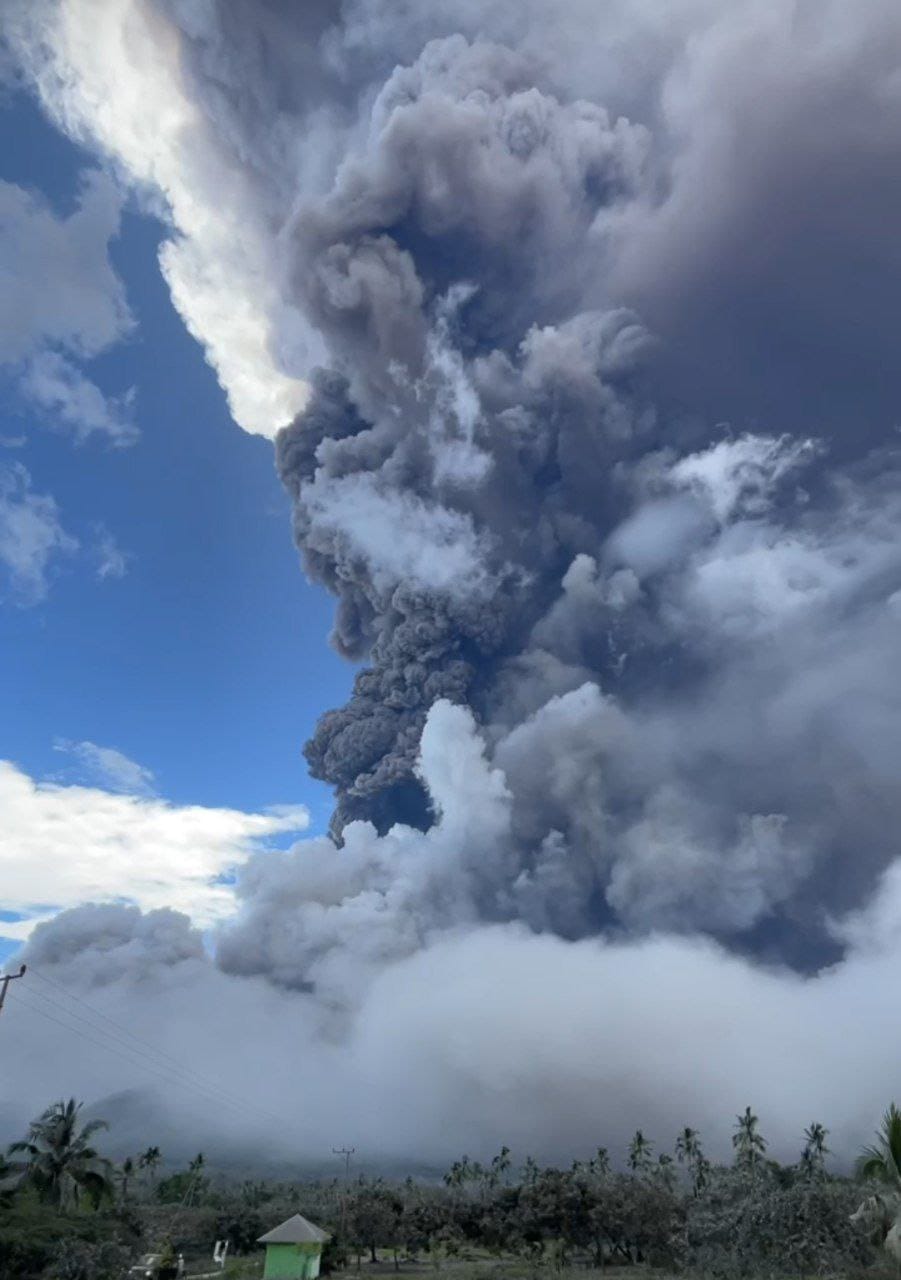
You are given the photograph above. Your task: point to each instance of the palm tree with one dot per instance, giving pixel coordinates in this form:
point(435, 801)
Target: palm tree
point(10, 1177)
point(499, 1166)
point(461, 1171)
point(687, 1146)
point(813, 1157)
point(664, 1171)
point(126, 1173)
point(196, 1183)
point(60, 1161)
point(688, 1152)
point(881, 1162)
point(748, 1142)
point(639, 1153)
point(148, 1161)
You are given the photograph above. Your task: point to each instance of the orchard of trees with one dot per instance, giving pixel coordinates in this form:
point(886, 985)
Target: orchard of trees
point(67, 1212)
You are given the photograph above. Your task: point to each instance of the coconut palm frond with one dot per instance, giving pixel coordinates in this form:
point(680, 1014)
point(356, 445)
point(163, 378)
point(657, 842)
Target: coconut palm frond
point(870, 1167)
point(891, 1136)
point(92, 1127)
point(62, 1165)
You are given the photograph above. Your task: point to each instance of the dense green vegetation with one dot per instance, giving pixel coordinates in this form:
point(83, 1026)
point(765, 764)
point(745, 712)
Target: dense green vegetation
point(69, 1213)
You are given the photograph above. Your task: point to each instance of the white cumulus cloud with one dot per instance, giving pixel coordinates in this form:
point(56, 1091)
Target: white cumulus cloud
point(62, 295)
point(65, 845)
point(221, 260)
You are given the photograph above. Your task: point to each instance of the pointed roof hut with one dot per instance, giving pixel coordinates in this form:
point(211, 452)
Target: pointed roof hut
point(293, 1250)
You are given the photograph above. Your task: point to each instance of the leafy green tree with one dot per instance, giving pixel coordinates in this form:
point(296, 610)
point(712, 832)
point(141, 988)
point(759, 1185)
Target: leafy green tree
point(60, 1161)
point(186, 1186)
point(87, 1260)
point(757, 1226)
point(881, 1162)
point(374, 1217)
point(40, 1239)
point(552, 1213)
point(748, 1142)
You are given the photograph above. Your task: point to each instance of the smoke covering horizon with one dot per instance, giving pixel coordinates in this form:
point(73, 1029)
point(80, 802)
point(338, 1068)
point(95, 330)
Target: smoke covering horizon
point(573, 332)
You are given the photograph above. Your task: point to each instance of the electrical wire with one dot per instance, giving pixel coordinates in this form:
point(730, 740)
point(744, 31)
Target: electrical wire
point(137, 1052)
point(135, 1057)
point(120, 1031)
point(125, 1055)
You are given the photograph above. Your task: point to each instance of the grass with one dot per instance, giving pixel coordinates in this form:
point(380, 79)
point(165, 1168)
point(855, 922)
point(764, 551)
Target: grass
point(487, 1268)
point(250, 1268)
point(502, 1268)
point(490, 1267)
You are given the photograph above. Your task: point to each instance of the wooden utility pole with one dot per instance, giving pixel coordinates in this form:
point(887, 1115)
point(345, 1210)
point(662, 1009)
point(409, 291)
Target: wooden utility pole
point(5, 980)
point(347, 1152)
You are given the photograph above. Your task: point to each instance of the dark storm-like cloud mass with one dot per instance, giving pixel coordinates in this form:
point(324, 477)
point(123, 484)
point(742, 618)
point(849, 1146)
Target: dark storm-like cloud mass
point(507, 474)
point(596, 307)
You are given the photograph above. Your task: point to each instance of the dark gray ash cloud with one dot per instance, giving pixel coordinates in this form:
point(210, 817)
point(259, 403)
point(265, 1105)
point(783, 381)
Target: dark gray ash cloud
point(503, 475)
point(596, 305)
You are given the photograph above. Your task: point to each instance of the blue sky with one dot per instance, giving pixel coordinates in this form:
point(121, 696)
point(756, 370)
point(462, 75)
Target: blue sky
point(205, 660)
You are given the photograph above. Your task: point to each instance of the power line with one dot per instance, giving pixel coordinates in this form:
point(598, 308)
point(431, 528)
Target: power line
point(5, 980)
point(124, 1054)
point(347, 1152)
point(119, 1044)
point(147, 1066)
point(166, 1059)
point(136, 1056)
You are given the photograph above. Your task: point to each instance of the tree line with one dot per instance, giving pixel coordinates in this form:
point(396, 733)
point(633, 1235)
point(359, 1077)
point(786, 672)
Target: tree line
point(67, 1212)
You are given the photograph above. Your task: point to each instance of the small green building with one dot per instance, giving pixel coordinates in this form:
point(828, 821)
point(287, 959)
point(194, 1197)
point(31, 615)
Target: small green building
point(293, 1250)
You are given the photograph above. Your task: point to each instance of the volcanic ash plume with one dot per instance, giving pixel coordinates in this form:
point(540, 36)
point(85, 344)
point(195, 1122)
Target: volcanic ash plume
point(573, 299)
point(638, 608)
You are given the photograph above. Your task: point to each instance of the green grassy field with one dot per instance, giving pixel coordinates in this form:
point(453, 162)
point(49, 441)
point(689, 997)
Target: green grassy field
point(471, 1268)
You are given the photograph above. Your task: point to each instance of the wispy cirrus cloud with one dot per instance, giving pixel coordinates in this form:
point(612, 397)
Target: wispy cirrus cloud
point(32, 537)
point(111, 560)
point(108, 767)
point(71, 402)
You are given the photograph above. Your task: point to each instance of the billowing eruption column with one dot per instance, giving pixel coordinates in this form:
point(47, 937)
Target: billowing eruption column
point(459, 455)
point(579, 321)
point(500, 478)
